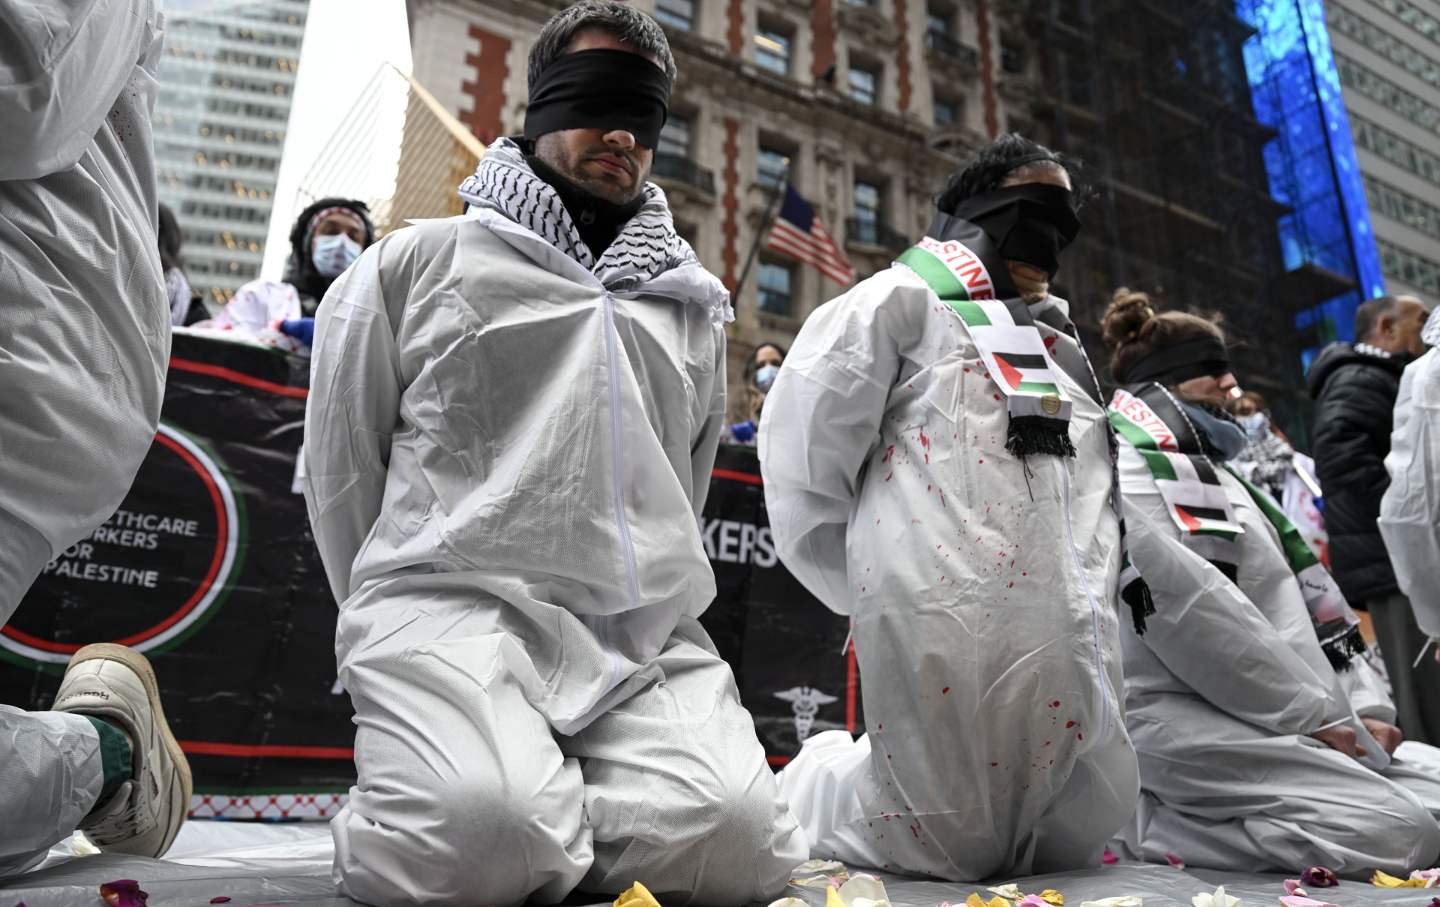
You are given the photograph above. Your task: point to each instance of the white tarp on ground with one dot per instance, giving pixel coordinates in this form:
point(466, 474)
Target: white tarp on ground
point(274, 864)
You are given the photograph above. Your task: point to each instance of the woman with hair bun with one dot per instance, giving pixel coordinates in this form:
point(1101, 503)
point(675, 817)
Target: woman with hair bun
point(1265, 743)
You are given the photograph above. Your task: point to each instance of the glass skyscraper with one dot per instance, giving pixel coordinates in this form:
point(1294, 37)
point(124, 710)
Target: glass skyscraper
point(226, 83)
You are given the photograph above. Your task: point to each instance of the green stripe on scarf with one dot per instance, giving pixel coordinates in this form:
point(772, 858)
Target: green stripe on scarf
point(940, 278)
point(1297, 553)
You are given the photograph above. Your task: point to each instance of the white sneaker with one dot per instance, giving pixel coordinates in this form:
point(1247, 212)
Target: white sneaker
point(116, 683)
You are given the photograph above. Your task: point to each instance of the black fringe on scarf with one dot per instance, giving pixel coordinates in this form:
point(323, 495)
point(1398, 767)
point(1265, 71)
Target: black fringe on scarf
point(1343, 648)
point(1030, 435)
point(1142, 605)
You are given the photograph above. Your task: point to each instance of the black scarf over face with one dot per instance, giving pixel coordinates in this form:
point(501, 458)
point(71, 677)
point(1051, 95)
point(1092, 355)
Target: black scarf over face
point(600, 89)
point(1030, 223)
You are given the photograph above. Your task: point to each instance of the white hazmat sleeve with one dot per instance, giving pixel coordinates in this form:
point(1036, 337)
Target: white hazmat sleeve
point(355, 386)
point(824, 414)
point(1410, 509)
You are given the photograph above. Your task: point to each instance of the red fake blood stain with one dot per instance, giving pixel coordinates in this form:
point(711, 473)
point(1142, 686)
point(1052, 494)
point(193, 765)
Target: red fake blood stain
point(982, 459)
point(925, 443)
point(1069, 724)
point(1079, 736)
point(944, 691)
point(889, 452)
point(1049, 342)
point(1055, 704)
point(915, 830)
point(994, 765)
point(997, 396)
point(888, 476)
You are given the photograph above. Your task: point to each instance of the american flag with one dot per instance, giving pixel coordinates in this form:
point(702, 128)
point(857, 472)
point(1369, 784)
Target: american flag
point(800, 234)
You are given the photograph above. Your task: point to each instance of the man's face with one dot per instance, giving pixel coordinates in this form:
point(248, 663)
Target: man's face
point(606, 163)
point(1032, 282)
point(1399, 332)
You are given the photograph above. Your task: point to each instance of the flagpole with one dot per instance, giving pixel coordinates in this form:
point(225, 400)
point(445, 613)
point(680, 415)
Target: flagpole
point(764, 225)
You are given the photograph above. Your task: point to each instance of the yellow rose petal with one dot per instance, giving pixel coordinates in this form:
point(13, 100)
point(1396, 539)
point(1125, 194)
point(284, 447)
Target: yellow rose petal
point(832, 898)
point(1386, 880)
point(1051, 896)
point(637, 896)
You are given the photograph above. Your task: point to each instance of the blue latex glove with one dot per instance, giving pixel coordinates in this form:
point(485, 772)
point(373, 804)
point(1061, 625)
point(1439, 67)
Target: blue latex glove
point(302, 329)
point(743, 432)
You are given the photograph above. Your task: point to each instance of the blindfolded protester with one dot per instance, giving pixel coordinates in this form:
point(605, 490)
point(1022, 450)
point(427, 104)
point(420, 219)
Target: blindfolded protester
point(938, 466)
point(512, 422)
point(1410, 509)
point(84, 340)
point(1355, 387)
point(1266, 740)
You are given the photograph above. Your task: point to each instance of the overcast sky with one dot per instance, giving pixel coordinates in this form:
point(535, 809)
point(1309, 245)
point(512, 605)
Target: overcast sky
point(346, 41)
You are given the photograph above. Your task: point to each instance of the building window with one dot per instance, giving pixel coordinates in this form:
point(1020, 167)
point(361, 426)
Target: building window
point(1413, 16)
point(1416, 270)
point(1384, 44)
point(676, 13)
point(863, 81)
point(947, 110)
point(1382, 142)
point(1012, 57)
point(675, 137)
point(775, 288)
point(1402, 207)
point(1377, 88)
point(772, 50)
point(867, 213)
point(771, 167)
point(937, 22)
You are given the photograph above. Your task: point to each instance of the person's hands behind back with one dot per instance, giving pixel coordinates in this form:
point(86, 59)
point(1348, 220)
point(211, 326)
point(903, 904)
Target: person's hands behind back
point(1342, 739)
point(1387, 735)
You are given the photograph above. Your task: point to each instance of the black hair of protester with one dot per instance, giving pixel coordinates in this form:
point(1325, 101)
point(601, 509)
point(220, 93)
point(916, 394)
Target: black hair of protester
point(170, 239)
point(987, 170)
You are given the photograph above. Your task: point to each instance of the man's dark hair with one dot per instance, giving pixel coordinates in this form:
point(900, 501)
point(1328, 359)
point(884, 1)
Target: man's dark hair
point(987, 170)
point(1368, 316)
point(623, 22)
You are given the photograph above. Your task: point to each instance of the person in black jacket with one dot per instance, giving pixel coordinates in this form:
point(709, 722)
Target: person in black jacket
point(1354, 387)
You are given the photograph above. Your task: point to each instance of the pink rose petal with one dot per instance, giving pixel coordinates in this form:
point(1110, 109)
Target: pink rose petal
point(1174, 860)
point(1295, 900)
point(222, 899)
point(1110, 858)
point(123, 893)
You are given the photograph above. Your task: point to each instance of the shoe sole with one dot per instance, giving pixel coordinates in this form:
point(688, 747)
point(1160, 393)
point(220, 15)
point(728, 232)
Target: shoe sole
point(141, 666)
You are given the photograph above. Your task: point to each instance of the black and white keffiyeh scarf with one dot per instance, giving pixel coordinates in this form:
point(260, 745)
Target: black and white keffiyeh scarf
point(646, 247)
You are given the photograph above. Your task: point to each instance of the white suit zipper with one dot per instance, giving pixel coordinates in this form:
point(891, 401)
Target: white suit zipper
point(1101, 675)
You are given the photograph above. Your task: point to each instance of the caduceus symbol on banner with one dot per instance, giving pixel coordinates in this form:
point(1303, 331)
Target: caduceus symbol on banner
point(805, 702)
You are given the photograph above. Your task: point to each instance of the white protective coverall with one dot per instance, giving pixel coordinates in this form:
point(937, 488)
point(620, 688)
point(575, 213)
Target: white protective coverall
point(84, 338)
point(1410, 509)
point(1222, 692)
point(981, 589)
point(506, 463)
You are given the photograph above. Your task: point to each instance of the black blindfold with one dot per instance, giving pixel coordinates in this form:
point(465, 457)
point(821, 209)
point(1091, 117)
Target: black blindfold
point(600, 89)
point(1181, 362)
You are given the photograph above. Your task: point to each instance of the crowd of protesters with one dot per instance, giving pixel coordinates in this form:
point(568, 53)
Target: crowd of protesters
point(512, 422)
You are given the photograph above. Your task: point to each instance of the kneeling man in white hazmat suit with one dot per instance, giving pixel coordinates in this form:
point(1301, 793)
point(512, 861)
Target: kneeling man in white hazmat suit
point(1266, 740)
point(84, 339)
point(512, 422)
point(938, 466)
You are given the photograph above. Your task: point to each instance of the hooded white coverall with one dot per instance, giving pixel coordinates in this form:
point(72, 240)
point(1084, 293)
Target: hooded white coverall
point(506, 462)
point(982, 592)
point(1410, 509)
point(84, 338)
point(1222, 693)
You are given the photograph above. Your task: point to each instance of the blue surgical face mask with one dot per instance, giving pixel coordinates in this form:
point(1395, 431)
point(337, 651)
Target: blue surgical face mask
point(333, 254)
point(1256, 425)
point(765, 376)
point(1226, 439)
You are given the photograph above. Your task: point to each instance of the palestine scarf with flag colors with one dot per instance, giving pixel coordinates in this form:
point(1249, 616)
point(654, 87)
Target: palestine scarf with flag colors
point(1010, 346)
point(1154, 423)
point(800, 234)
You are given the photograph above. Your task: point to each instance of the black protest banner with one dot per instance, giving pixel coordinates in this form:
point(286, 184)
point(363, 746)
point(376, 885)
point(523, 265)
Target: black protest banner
point(209, 568)
point(792, 656)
